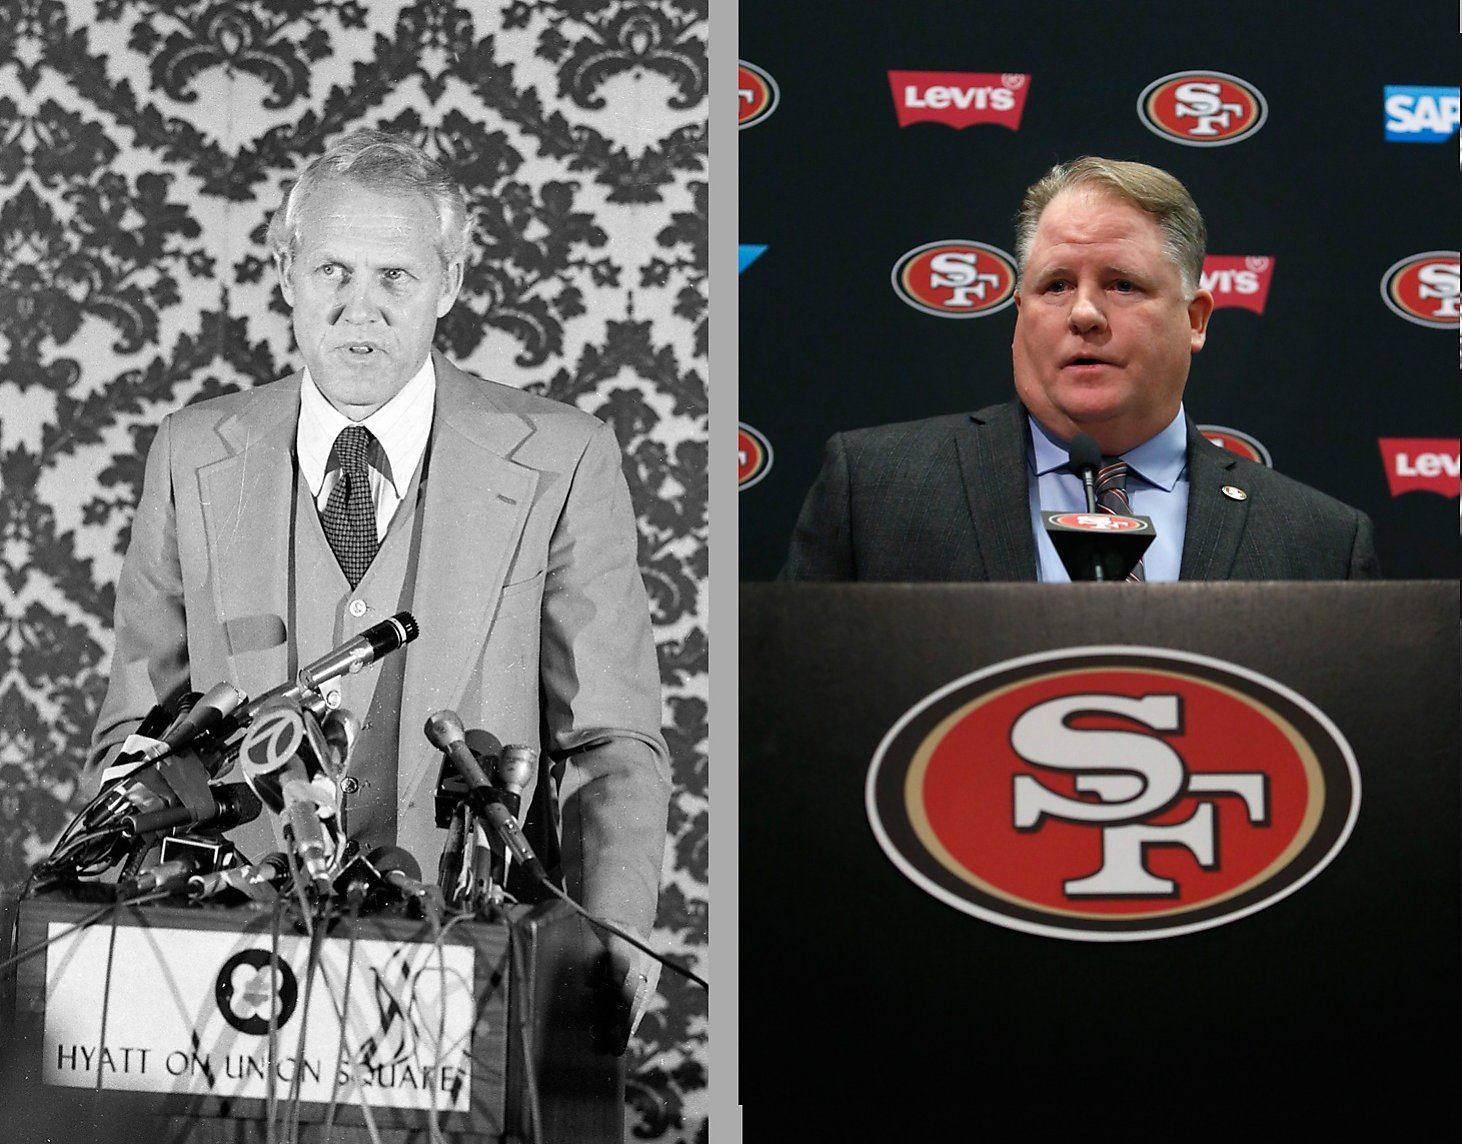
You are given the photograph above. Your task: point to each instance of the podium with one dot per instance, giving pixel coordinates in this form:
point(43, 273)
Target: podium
point(477, 1032)
point(942, 897)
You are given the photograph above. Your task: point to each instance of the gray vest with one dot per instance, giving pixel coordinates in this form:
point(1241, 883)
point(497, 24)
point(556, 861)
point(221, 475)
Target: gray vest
point(325, 612)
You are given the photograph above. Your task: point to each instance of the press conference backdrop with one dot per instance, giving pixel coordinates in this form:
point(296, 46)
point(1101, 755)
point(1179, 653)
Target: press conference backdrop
point(883, 156)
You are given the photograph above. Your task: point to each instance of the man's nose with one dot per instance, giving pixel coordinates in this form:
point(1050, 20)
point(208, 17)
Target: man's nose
point(1087, 314)
point(358, 305)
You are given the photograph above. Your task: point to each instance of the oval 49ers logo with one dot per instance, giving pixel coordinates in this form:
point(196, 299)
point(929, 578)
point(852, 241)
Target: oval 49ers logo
point(956, 278)
point(753, 456)
point(1202, 108)
point(1242, 444)
point(1100, 522)
point(756, 94)
point(1424, 288)
point(1113, 793)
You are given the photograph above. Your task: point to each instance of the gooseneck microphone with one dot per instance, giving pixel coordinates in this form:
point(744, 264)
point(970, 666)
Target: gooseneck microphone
point(375, 642)
point(1085, 458)
point(444, 732)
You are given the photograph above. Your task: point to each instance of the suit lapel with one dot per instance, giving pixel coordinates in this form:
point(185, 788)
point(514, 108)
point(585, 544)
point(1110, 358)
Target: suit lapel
point(1216, 522)
point(476, 506)
point(993, 465)
point(247, 499)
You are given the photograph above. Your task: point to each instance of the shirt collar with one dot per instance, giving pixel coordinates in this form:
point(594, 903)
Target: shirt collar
point(401, 428)
point(1159, 460)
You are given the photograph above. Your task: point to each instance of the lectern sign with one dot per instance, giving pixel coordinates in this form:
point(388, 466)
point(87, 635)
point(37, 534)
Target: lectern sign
point(1113, 793)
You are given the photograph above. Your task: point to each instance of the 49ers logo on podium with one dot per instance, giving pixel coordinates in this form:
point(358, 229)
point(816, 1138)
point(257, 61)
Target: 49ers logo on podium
point(955, 278)
point(1202, 108)
point(1113, 793)
point(1100, 522)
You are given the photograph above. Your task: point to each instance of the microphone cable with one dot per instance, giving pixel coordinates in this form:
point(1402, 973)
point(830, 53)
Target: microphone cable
point(600, 923)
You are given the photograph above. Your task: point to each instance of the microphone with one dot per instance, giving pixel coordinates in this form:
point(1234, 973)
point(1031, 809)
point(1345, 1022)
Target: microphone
point(234, 804)
point(444, 732)
point(218, 703)
point(372, 644)
point(260, 881)
point(170, 877)
point(282, 759)
point(341, 730)
point(399, 868)
point(1085, 458)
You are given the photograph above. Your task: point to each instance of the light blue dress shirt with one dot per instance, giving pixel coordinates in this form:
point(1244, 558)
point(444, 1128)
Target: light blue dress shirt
point(1157, 486)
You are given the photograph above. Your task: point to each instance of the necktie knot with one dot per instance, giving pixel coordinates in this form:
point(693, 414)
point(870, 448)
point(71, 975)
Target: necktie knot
point(352, 446)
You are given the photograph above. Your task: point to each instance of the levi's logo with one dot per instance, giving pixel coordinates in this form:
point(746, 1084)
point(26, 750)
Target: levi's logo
point(1238, 280)
point(1422, 464)
point(1112, 793)
point(959, 99)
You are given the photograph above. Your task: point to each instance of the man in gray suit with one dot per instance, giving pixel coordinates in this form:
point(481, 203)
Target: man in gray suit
point(1109, 314)
point(277, 523)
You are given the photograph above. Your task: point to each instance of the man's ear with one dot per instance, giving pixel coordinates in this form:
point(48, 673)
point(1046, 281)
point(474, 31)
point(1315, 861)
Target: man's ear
point(1200, 309)
point(282, 266)
point(451, 286)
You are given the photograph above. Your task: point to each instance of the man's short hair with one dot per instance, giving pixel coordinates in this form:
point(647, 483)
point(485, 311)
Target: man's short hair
point(1147, 188)
point(382, 162)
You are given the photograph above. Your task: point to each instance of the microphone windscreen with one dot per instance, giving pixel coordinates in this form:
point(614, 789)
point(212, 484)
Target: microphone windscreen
point(1085, 453)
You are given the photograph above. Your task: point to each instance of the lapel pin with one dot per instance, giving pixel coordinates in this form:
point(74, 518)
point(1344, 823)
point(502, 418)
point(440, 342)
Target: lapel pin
point(1233, 492)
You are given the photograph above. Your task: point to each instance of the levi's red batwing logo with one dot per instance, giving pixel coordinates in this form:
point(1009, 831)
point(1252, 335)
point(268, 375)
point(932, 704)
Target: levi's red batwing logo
point(1422, 464)
point(1240, 280)
point(959, 99)
point(1113, 793)
point(1202, 108)
point(956, 278)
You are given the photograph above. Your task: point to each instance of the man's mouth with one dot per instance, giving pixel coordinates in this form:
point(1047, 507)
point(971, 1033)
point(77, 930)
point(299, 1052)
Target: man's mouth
point(360, 348)
point(1085, 360)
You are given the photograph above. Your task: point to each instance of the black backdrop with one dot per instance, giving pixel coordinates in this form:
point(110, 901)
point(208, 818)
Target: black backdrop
point(837, 192)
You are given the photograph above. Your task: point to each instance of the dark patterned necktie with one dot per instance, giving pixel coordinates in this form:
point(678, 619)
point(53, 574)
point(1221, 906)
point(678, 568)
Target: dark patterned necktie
point(1111, 496)
point(350, 513)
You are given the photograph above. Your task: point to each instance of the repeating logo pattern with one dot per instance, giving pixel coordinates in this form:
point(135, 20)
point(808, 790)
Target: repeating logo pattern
point(1202, 108)
point(1422, 464)
point(1424, 288)
point(1238, 280)
point(1421, 114)
point(1113, 793)
point(143, 146)
point(956, 278)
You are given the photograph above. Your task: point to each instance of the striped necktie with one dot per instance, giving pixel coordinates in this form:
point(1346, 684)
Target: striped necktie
point(1111, 496)
point(349, 519)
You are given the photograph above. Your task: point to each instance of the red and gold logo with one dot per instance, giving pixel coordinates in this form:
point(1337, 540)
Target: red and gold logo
point(756, 94)
point(1113, 793)
point(1202, 108)
point(956, 278)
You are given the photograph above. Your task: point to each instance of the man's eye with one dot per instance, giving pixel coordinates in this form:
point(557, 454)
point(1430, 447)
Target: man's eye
point(1122, 286)
point(1056, 287)
point(330, 271)
point(394, 274)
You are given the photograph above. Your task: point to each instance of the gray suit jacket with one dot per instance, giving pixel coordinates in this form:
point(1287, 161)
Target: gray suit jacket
point(533, 617)
point(946, 499)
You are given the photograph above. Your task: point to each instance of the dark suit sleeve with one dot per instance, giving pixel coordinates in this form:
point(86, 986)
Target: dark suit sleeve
point(601, 696)
point(1364, 563)
point(150, 658)
point(822, 545)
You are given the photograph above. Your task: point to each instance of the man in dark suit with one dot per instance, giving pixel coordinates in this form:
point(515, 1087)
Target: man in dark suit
point(1109, 314)
point(277, 523)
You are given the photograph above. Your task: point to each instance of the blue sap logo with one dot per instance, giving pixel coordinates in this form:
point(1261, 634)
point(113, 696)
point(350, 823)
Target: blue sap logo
point(746, 255)
point(1421, 114)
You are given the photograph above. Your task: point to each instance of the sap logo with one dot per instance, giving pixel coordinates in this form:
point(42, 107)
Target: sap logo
point(959, 99)
point(1422, 114)
point(1112, 793)
point(1238, 280)
point(746, 254)
point(1422, 464)
point(955, 278)
point(1425, 289)
point(1202, 108)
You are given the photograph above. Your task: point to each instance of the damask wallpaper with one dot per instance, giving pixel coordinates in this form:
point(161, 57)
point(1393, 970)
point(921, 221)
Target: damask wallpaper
point(142, 147)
